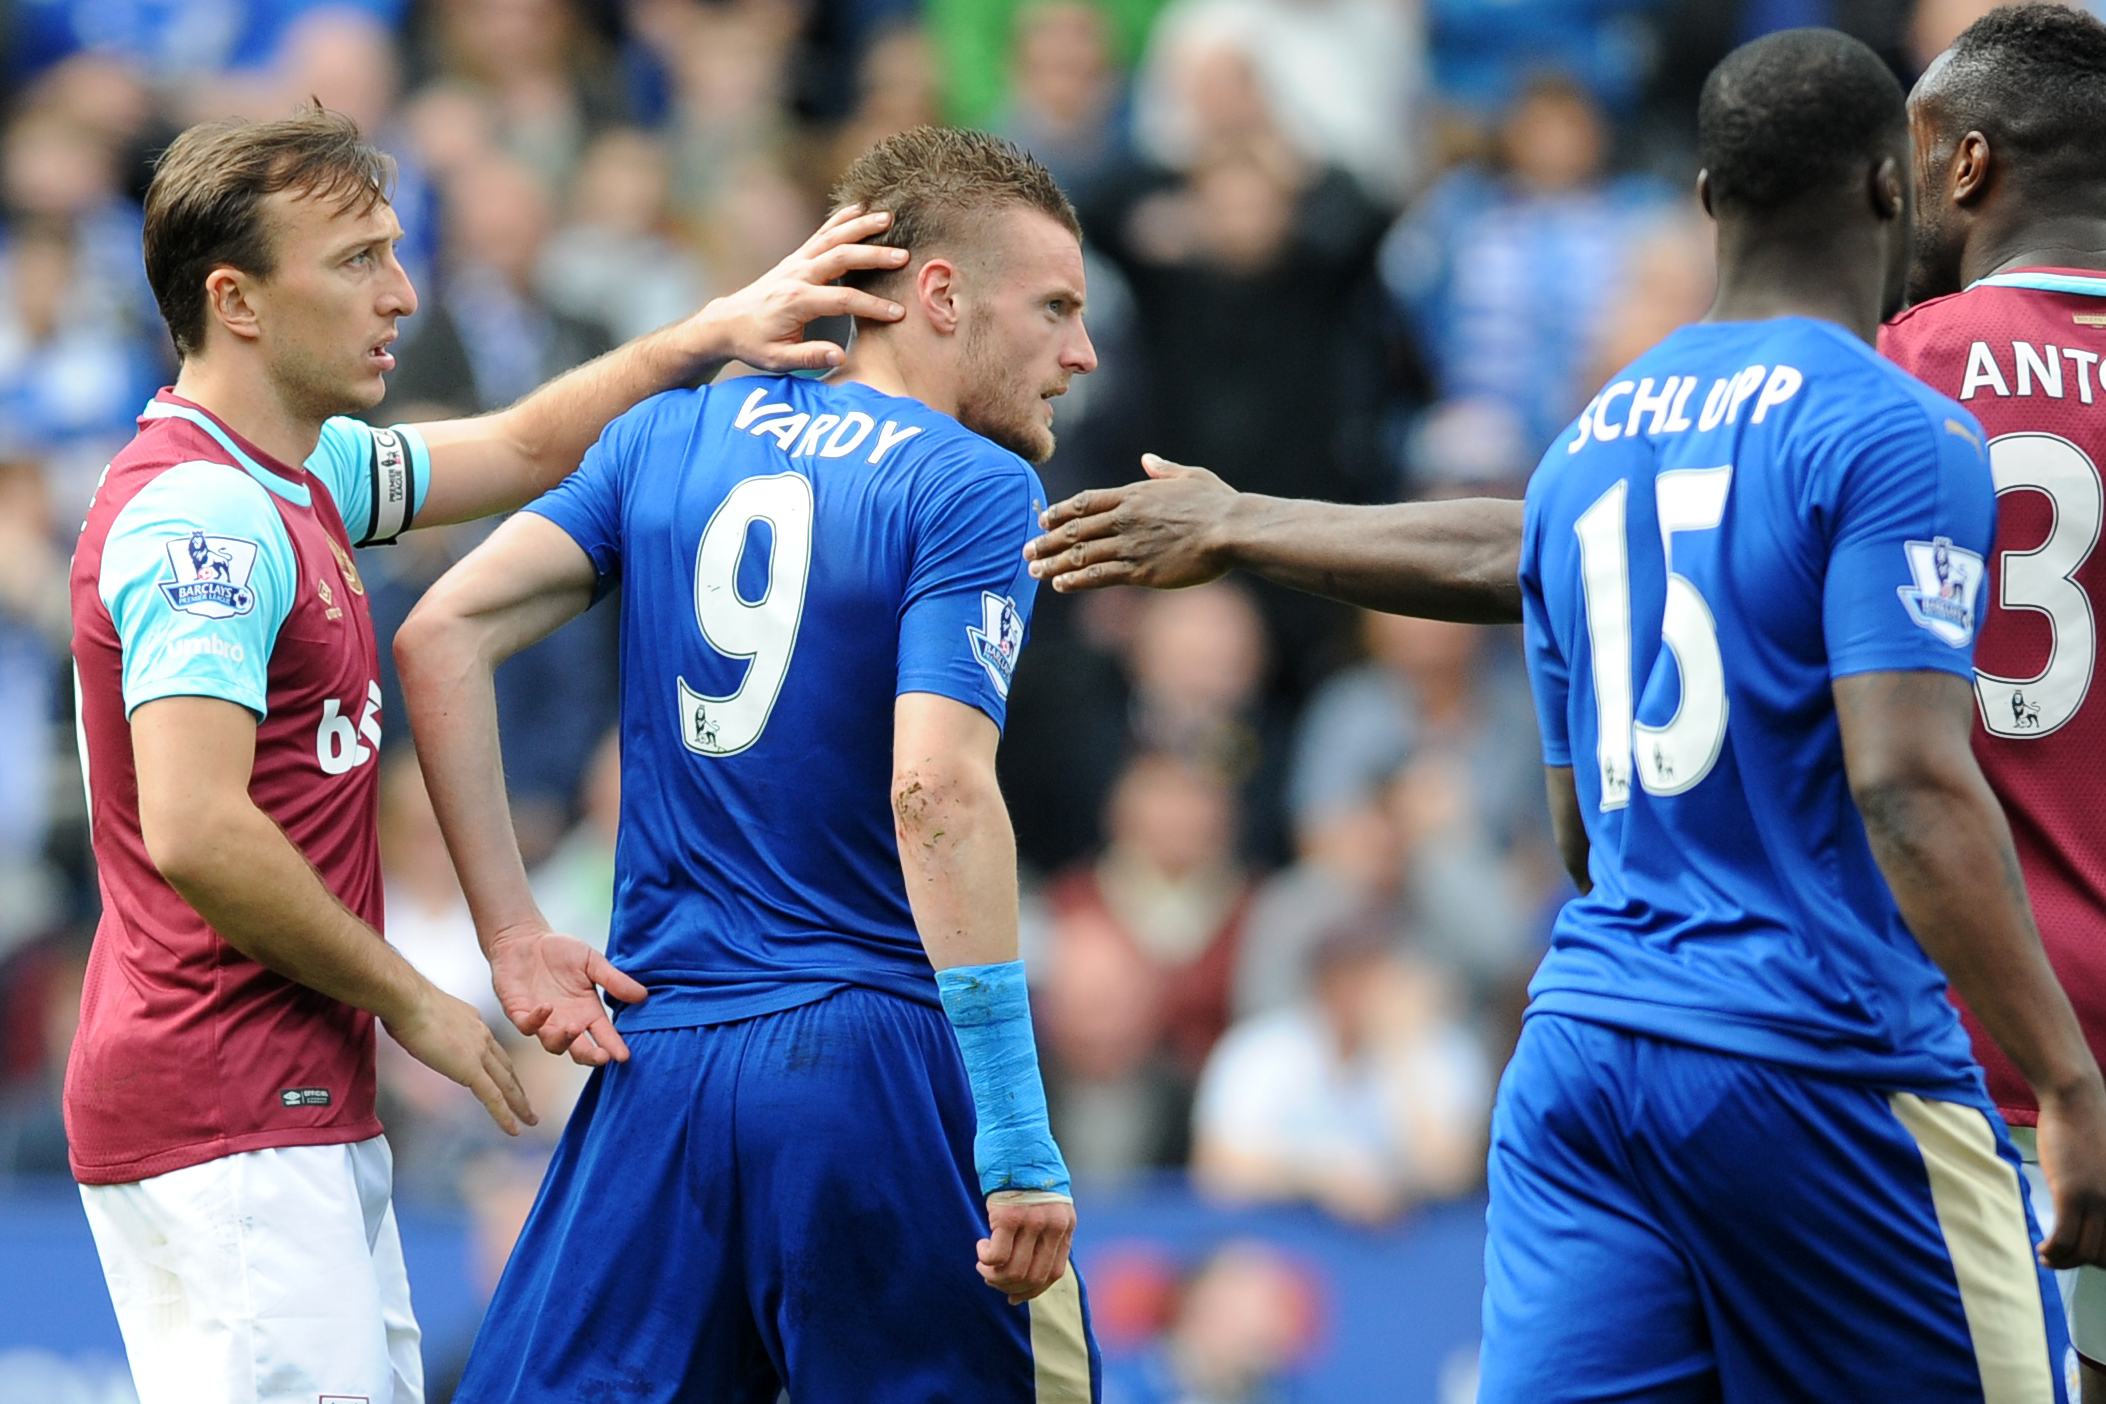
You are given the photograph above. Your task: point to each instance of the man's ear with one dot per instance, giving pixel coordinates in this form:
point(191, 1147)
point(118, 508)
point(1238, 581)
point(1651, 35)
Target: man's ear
point(936, 287)
point(228, 301)
point(1703, 191)
point(1972, 159)
point(1889, 197)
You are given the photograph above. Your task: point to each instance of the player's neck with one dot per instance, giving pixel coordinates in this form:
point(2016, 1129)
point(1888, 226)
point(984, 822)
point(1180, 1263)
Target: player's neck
point(243, 399)
point(1833, 275)
point(890, 365)
point(2050, 241)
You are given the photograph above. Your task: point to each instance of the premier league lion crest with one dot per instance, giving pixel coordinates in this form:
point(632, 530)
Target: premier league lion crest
point(1947, 579)
point(211, 575)
point(999, 639)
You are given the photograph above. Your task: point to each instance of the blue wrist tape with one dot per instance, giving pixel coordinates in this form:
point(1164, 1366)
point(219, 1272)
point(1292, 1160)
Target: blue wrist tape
point(991, 1012)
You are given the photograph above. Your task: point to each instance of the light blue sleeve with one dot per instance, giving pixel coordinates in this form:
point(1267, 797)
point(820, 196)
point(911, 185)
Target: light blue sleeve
point(379, 478)
point(198, 574)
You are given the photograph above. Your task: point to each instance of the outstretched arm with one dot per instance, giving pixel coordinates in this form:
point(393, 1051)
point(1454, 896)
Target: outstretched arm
point(1455, 560)
point(496, 462)
point(1942, 842)
point(958, 853)
point(529, 579)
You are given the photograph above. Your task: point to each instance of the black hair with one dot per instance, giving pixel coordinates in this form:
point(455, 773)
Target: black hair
point(2032, 79)
point(1792, 114)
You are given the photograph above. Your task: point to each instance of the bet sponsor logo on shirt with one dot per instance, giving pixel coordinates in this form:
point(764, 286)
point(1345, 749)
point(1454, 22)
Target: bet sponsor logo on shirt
point(211, 575)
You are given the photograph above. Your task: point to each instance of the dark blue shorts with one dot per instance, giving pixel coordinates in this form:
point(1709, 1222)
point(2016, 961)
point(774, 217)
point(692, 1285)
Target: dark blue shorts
point(784, 1202)
point(1671, 1224)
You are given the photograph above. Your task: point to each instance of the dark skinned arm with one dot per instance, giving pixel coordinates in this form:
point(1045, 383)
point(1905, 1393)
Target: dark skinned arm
point(1456, 560)
point(1941, 840)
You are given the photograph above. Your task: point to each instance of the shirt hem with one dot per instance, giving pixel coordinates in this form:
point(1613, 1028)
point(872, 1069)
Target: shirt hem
point(1719, 1031)
point(688, 1006)
point(192, 687)
point(145, 1167)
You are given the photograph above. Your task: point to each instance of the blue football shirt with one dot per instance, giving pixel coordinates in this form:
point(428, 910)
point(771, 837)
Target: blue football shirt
point(792, 555)
point(1747, 513)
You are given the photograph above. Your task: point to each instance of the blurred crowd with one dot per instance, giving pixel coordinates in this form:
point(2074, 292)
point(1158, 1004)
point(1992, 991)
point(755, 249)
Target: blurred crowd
point(1287, 867)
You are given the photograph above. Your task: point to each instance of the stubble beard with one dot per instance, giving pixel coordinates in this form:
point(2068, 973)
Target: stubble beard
point(989, 402)
point(1934, 269)
point(318, 389)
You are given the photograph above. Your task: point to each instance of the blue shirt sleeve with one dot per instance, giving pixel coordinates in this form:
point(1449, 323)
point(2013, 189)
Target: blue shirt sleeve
point(588, 503)
point(1912, 514)
point(968, 601)
point(378, 478)
point(198, 574)
point(1549, 676)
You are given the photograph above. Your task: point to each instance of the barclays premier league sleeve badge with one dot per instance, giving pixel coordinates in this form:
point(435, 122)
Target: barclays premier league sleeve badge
point(1947, 579)
point(211, 575)
point(998, 639)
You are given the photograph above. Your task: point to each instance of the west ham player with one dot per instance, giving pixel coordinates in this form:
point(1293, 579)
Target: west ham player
point(1831, 541)
point(2009, 125)
point(833, 1092)
point(219, 1101)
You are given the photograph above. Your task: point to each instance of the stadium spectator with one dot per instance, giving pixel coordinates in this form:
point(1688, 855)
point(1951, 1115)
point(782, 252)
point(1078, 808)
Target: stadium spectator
point(729, 66)
point(1118, 1101)
point(1425, 684)
point(1065, 94)
point(1069, 710)
point(109, 97)
point(345, 58)
point(1258, 322)
point(1344, 80)
point(80, 346)
point(1197, 664)
point(1670, 283)
point(1504, 271)
point(897, 87)
point(1364, 1099)
point(34, 639)
point(1243, 1319)
point(1349, 859)
point(1167, 887)
point(484, 337)
point(427, 917)
point(549, 81)
point(615, 260)
point(1250, 280)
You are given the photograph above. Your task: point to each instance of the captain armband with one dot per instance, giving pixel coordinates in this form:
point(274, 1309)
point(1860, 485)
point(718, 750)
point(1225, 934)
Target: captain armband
point(991, 1013)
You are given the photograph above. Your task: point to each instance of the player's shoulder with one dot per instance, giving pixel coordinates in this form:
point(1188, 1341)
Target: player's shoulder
point(677, 411)
point(213, 518)
point(1927, 318)
point(1858, 393)
point(204, 491)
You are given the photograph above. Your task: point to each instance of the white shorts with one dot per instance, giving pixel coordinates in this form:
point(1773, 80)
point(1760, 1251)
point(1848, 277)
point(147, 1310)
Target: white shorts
point(269, 1277)
point(2083, 1289)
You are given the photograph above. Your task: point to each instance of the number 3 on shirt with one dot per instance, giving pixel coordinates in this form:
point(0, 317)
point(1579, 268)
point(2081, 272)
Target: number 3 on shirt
point(1674, 757)
point(764, 630)
point(2041, 580)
